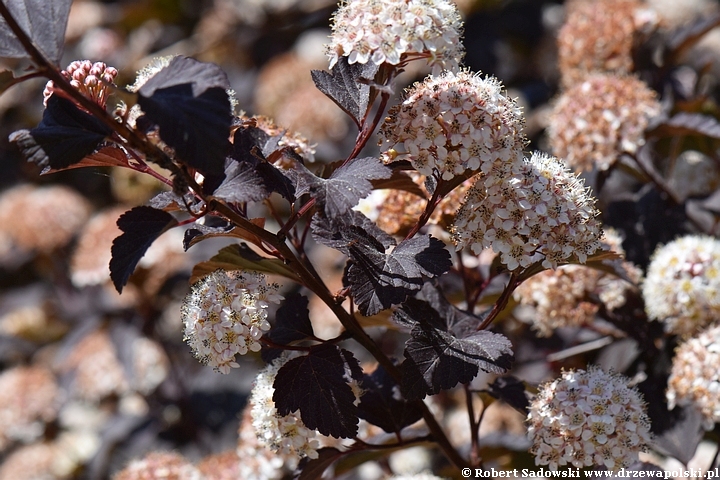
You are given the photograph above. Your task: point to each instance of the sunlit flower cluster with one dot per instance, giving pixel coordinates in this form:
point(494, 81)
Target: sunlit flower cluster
point(93, 80)
point(456, 122)
point(392, 31)
point(225, 314)
point(285, 434)
point(564, 297)
point(695, 378)
point(544, 212)
point(598, 119)
point(682, 283)
point(598, 36)
point(588, 418)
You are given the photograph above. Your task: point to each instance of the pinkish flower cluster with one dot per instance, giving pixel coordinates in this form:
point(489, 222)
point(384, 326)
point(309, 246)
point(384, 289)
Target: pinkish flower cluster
point(536, 211)
point(588, 418)
point(456, 122)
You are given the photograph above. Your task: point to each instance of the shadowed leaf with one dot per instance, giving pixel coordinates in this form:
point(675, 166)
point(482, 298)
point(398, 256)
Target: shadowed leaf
point(188, 101)
point(436, 360)
point(316, 385)
point(140, 227)
point(65, 136)
point(44, 22)
point(381, 406)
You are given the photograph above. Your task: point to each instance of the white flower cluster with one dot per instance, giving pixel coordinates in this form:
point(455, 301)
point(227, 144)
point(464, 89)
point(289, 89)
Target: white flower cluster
point(695, 378)
point(682, 284)
point(588, 418)
point(456, 122)
point(90, 79)
point(225, 314)
point(537, 210)
point(392, 31)
point(287, 435)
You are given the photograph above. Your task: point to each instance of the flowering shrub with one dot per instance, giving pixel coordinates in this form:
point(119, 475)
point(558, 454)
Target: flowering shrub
point(396, 281)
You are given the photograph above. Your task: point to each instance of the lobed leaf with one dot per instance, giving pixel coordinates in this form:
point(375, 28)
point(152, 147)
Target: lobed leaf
point(292, 321)
point(242, 184)
point(44, 23)
point(344, 85)
point(511, 390)
point(436, 359)
point(250, 146)
point(346, 185)
point(379, 280)
point(316, 385)
point(64, 137)
point(140, 227)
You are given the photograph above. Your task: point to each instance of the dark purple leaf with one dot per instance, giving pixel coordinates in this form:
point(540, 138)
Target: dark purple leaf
point(343, 85)
point(335, 233)
point(64, 136)
point(140, 227)
point(241, 184)
point(436, 360)
point(44, 22)
point(681, 440)
point(202, 76)
point(379, 280)
point(292, 321)
point(250, 145)
point(345, 187)
point(188, 101)
point(512, 391)
point(685, 123)
point(314, 469)
point(381, 406)
point(316, 385)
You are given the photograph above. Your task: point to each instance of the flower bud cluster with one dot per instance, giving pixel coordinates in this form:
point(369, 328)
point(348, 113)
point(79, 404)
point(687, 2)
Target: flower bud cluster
point(600, 118)
point(562, 297)
point(588, 418)
point(393, 31)
point(682, 282)
point(695, 378)
point(225, 314)
point(456, 122)
point(287, 435)
point(90, 79)
point(541, 212)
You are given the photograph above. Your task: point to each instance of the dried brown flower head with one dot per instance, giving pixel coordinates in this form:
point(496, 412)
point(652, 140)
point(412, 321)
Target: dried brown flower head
point(285, 92)
point(28, 399)
point(598, 36)
point(159, 465)
point(42, 219)
point(598, 119)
